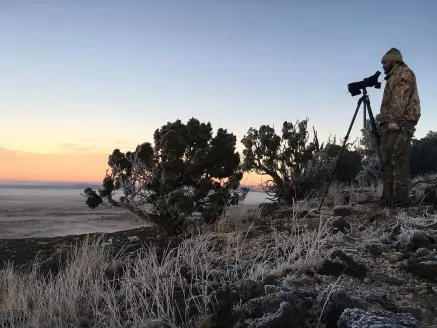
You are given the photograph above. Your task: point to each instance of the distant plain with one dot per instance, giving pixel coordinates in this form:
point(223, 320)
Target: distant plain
point(29, 210)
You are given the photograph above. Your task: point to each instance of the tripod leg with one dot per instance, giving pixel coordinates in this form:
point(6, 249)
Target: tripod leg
point(378, 146)
point(341, 151)
point(374, 130)
point(364, 118)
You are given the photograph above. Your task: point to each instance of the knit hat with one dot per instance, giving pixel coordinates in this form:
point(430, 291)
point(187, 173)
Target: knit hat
point(392, 55)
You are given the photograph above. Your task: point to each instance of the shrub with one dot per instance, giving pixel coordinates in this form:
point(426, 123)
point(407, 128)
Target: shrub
point(186, 171)
point(297, 167)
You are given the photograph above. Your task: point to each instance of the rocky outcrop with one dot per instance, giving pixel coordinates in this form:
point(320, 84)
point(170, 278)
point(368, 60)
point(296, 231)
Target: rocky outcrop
point(423, 264)
point(344, 262)
point(281, 307)
point(357, 318)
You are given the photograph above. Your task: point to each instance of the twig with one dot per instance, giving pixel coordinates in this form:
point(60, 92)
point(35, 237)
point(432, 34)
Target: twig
point(329, 294)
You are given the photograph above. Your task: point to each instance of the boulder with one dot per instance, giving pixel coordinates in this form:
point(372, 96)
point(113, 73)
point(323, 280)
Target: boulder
point(333, 301)
point(341, 262)
point(357, 318)
point(423, 264)
point(341, 225)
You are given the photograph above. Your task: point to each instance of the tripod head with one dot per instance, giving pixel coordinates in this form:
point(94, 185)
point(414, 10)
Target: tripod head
point(372, 81)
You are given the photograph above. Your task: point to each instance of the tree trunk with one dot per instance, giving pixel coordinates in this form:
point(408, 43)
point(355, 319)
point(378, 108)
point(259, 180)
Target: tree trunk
point(163, 222)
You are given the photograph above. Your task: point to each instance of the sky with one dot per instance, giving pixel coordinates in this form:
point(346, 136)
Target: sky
point(82, 77)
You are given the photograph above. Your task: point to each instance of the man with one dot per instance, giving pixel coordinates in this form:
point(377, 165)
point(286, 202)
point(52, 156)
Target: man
point(400, 112)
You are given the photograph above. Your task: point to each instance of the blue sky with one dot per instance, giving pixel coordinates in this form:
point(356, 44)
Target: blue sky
point(102, 74)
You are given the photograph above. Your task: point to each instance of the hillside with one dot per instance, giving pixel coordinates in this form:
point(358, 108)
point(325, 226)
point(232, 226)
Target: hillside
point(346, 267)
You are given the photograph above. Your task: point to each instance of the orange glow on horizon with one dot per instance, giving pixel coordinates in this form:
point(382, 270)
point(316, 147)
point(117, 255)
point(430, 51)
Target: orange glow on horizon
point(67, 167)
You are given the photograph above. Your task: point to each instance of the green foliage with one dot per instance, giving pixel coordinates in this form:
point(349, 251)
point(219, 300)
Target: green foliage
point(370, 171)
point(423, 156)
point(297, 167)
point(186, 171)
point(349, 164)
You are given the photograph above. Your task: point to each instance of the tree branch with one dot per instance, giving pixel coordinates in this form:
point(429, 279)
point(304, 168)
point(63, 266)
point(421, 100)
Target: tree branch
point(157, 220)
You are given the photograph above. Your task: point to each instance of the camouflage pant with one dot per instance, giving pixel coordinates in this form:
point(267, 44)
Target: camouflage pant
point(395, 151)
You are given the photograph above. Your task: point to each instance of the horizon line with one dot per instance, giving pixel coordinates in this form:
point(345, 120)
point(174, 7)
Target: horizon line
point(46, 181)
point(74, 182)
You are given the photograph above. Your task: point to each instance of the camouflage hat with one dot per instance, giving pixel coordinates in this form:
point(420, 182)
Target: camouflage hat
point(392, 55)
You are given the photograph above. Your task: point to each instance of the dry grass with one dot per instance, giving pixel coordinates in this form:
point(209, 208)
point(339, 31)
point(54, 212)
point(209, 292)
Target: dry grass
point(337, 191)
point(156, 289)
point(150, 289)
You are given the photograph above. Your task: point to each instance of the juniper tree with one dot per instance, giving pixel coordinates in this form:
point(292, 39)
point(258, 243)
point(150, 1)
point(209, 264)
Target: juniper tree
point(297, 166)
point(187, 171)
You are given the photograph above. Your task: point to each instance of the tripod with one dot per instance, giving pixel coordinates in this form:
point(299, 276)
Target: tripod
point(366, 103)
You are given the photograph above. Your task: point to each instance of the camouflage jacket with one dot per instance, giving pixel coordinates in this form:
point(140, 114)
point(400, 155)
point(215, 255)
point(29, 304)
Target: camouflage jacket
point(400, 101)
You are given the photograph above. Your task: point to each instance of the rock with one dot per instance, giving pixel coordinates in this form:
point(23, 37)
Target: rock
point(343, 211)
point(298, 281)
point(248, 289)
point(423, 252)
point(282, 309)
point(225, 298)
point(334, 301)
point(357, 318)
point(423, 269)
point(378, 276)
point(376, 249)
point(271, 289)
point(395, 257)
point(340, 263)
point(383, 300)
point(133, 238)
point(419, 239)
point(415, 311)
point(341, 225)
point(386, 240)
point(256, 307)
point(287, 315)
point(423, 264)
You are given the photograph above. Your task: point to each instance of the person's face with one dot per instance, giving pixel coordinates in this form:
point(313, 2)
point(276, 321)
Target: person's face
point(387, 66)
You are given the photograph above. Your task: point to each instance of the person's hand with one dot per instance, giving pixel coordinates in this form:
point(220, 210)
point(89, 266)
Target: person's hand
point(393, 126)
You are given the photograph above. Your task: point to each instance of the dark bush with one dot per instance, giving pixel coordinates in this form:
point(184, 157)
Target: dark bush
point(186, 171)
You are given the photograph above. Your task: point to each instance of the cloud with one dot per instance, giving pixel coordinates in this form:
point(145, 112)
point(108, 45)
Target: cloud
point(72, 147)
point(94, 144)
point(10, 151)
